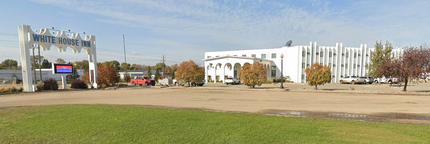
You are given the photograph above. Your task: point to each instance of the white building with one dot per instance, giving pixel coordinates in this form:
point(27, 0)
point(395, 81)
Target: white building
point(343, 61)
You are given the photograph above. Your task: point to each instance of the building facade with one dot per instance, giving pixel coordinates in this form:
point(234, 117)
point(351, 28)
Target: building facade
point(343, 61)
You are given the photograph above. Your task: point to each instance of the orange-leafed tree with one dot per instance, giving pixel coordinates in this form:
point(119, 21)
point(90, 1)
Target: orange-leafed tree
point(252, 75)
point(189, 72)
point(106, 76)
point(318, 74)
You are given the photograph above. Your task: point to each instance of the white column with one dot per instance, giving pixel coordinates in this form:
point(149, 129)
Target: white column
point(24, 46)
point(223, 73)
point(63, 82)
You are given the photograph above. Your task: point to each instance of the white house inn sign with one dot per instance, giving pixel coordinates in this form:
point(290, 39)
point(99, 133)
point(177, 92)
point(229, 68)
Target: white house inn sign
point(60, 39)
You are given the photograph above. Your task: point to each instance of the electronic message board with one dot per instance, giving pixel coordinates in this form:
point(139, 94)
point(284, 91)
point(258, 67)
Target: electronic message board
point(63, 69)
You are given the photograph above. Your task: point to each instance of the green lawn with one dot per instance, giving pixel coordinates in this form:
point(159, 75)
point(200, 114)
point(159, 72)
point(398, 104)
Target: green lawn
point(132, 124)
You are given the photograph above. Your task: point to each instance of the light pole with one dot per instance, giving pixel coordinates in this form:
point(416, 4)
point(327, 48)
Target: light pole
point(282, 71)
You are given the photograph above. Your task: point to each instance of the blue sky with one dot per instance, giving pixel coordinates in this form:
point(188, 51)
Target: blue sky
point(185, 29)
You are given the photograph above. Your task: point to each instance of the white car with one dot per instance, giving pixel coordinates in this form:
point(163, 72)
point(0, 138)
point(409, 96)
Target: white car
point(232, 81)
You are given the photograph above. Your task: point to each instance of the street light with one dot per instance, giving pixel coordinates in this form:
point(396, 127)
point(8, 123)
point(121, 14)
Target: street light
point(282, 71)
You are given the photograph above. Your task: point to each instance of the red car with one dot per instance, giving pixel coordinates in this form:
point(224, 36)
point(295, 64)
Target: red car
point(140, 80)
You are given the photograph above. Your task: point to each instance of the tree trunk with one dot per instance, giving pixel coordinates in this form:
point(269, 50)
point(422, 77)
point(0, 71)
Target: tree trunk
point(253, 86)
point(316, 87)
point(406, 84)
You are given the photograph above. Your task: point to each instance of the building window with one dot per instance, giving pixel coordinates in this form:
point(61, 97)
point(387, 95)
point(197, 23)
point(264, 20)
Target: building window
point(303, 76)
point(273, 55)
point(273, 71)
point(321, 54)
point(355, 55)
point(346, 65)
point(329, 54)
point(354, 66)
point(303, 65)
point(263, 55)
point(209, 56)
point(347, 54)
point(303, 53)
point(253, 55)
point(244, 55)
point(329, 65)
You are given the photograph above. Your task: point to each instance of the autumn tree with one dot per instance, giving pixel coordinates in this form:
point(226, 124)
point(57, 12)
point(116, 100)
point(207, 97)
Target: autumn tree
point(378, 56)
point(106, 76)
point(413, 63)
point(252, 75)
point(318, 74)
point(189, 72)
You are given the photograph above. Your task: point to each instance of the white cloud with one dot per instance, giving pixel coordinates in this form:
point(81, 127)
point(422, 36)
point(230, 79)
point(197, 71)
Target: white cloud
point(187, 28)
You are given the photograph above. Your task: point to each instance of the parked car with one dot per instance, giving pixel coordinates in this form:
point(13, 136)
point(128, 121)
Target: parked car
point(201, 83)
point(389, 80)
point(352, 80)
point(232, 81)
point(140, 80)
point(368, 80)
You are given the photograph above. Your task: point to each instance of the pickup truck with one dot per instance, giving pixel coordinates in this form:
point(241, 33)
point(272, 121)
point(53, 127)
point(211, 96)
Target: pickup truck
point(352, 80)
point(389, 80)
point(140, 80)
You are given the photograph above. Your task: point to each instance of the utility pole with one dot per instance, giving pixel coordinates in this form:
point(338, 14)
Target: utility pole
point(125, 59)
point(164, 65)
point(40, 66)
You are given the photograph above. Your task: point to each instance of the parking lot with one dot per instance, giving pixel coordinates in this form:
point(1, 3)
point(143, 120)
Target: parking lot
point(336, 87)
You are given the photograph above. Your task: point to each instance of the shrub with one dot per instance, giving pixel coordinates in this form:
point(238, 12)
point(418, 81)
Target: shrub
point(78, 84)
point(3, 90)
point(40, 86)
point(13, 89)
point(106, 76)
point(50, 84)
point(20, 89)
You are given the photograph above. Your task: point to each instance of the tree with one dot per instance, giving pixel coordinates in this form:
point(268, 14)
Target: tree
point(125, 66)
point(149, 71)
point(157, 75)
point(84, 64)
point(413, 64)
point(378, 56)
point(9, 64)
point(252, 75)
point(60, 60)
point(46, 64)
point(114, 64)
point(138, 67)
point(106, 76)
point(35, 60)
point(318, 74)
point(189, 72)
